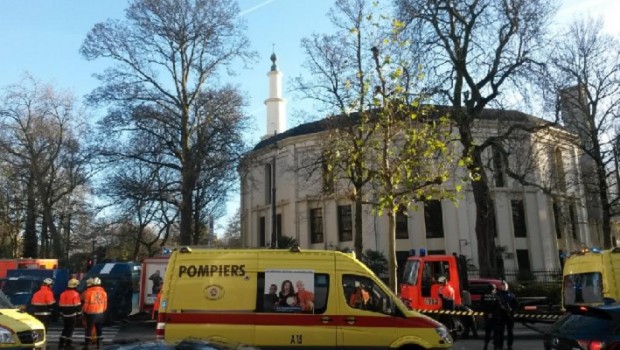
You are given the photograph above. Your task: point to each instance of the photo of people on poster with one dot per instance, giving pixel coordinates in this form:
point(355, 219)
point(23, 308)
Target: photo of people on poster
point(289, 291)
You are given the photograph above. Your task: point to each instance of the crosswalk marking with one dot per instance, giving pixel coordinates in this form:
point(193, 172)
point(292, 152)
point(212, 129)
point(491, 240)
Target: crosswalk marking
point(55, 329)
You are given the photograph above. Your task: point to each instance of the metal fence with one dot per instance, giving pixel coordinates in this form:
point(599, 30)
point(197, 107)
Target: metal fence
point(525, 277)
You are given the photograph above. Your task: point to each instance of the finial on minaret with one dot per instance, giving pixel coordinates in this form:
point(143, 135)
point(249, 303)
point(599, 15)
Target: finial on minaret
point(273, 58)
point(276, 105)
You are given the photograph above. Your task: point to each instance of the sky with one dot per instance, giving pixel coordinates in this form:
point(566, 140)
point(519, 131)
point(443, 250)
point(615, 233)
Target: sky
point(43, 37)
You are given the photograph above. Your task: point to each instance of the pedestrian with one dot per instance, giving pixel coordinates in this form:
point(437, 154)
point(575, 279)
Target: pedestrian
point(489, 306)
point(508, 303)
point(43, 302)
point(94, 307)
point(447, 294)
point(70, 306)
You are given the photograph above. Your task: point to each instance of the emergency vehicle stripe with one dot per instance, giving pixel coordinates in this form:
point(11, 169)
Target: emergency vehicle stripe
point(296, 320)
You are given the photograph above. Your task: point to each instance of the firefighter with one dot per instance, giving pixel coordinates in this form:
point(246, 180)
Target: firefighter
point(447, 294)
point(70, 306)
point(94, 308)
point(43, 302)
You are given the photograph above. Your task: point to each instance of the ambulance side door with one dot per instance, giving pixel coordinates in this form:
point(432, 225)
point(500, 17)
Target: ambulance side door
point(314, 326)
point(366, 313)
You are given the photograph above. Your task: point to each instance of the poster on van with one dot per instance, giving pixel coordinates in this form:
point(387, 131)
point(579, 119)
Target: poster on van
point(289, 291)
point(154, 272)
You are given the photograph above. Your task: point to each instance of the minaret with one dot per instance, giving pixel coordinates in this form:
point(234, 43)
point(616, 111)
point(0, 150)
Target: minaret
point(276, 105)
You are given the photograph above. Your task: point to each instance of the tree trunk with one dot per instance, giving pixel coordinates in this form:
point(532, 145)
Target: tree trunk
point(485, 212)
point(393, 264)
point(187, 207)
point(358, 240)
point(30, 234)
point(605, 206)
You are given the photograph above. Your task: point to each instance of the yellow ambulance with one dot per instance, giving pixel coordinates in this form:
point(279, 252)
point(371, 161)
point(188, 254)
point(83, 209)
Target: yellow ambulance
point(287, 299)
point(591, 277)
point(19, 330)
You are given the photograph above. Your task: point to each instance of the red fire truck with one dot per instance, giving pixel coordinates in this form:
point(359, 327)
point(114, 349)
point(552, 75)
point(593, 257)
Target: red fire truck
point(26, 263)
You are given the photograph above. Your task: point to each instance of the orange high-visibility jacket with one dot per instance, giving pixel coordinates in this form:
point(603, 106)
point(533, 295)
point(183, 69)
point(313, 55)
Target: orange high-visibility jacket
point(156, 304)
point(95, 300)
point(42, 301)
point(70, 303)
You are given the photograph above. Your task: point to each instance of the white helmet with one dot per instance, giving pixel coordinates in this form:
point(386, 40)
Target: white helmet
point(441, 279)
point(48, 281)
point(96, 281)
point(73, 283)
point(89, 282)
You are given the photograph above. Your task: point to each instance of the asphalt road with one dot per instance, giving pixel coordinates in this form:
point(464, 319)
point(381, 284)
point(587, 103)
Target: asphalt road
point(141, 329)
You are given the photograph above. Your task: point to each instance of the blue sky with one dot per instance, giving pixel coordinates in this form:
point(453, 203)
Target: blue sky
point(43, 37)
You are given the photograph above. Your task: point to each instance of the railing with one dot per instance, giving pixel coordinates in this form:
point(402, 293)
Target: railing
point(525, 277)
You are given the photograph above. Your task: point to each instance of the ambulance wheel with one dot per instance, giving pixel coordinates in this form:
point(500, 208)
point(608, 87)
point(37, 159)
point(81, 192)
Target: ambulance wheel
point(411, 347)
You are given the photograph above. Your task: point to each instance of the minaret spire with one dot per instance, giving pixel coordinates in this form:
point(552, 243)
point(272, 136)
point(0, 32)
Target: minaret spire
point(276, 105)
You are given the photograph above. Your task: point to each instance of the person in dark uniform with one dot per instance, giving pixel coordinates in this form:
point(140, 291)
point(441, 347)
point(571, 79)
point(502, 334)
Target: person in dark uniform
point(507, 303)
point(489, 306)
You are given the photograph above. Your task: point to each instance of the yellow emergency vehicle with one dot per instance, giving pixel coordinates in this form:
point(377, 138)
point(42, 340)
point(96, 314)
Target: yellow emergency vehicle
point(19, 330)
point(287, 299)
point(591, 277)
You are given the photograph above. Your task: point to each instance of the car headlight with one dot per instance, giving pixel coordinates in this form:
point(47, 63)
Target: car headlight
point(444, 335)
point(6, 336)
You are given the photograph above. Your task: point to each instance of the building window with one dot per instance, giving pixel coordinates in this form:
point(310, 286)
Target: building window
point(557, 217)
point(523, 260)
point(261, 232)
point(402, 230)
point(433, 219)
point(316, 225)
point(558, 171)
point(518, 218)
point(498, 168)
point(573, 221)
point(345, 223)
point(268, 183)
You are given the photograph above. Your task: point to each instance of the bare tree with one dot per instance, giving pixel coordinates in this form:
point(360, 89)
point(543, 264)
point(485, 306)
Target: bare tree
point(168, 55)
point(232, 235)
point(481, 48)
point(586, 74)
point(39, 140)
